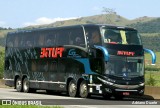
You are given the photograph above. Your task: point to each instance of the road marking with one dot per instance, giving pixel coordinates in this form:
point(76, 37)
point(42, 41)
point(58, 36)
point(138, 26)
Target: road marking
point(82, 106)
point(10, 98)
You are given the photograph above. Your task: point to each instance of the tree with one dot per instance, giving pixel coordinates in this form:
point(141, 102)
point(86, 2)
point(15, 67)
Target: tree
point(109, 12)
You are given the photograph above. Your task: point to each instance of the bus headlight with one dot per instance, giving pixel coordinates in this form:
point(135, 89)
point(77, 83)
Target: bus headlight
point(142, 84)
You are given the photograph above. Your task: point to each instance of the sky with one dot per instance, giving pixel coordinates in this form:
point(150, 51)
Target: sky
point(22, 13)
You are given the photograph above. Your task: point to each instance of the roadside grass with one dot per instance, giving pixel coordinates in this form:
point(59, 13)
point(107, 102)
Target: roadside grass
point(152, 78)
point(28, 106)
point(152, 72)
point(1, 48)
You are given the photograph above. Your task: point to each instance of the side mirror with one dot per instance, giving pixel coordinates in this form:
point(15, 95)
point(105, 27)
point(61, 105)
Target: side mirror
point(152, 54)
point(105, 52)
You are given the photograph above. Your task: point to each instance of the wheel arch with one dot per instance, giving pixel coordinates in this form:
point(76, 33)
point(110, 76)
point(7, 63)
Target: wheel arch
point(24, 76)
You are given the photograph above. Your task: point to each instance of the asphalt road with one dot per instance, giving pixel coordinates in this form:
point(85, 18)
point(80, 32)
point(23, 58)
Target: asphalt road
point(42, 98)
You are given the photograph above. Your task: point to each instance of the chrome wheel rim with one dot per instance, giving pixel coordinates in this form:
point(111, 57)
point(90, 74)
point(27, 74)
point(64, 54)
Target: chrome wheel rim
point(83, 89)
point(25, 85)
point(72, 88)
point(18, 85)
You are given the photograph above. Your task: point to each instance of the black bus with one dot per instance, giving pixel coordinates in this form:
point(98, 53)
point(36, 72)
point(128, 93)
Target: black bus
point(80, 60)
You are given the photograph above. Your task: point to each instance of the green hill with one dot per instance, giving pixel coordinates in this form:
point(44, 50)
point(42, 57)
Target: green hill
point(149, 27)
point(152, 26)
point(98, 19)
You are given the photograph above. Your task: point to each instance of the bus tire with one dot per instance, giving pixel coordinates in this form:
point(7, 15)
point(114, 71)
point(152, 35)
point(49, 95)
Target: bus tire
point(83, 90)
point(26, 88)
point(19, 84)
point(72, 89)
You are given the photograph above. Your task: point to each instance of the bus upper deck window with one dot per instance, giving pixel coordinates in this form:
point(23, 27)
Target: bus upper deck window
point(50, 40)
point(39, 40)
point(95, 38)
point(10, 42)
point(121, 36)
point(112, 37)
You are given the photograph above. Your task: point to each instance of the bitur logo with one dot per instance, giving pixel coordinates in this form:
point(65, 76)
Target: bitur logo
point(127, 53)
point(51, 52)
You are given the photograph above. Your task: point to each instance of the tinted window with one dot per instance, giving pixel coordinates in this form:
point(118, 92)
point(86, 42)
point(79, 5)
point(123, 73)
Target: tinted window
point(52, 66)
point(10, 41)
point(39, 39)
point(62, 37)
point(74, 36)
point(93, 35)
point(27, 40)
point(39, 66)
point(77, 37)
point(50, 39)
point(14, 40)
point(121, 36)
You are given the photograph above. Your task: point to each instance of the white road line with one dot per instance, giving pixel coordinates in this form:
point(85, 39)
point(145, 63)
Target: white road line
point(10, 98)
point(82, 106)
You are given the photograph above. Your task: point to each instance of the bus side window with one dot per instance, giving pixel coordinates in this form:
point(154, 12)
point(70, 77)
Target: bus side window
point(42, 66)
point(9, 41)
point(52, 66)
point(50, 40)
point(34, 66)
point(39, 40)
point(77, 37)
point(17, 41)
point(93, 36)
point(71, 38)
point(28, 40)
point(62, 38)
point(79, 40)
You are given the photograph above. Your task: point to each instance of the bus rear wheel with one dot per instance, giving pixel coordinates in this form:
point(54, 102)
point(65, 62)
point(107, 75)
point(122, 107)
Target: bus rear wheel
point(72, 89)
point(26, 85)
point(19, 85)
point(83, 90)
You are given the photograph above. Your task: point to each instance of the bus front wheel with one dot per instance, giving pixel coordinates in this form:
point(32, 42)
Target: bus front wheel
point(72, 89)
point(19, 85)
point(83, 90)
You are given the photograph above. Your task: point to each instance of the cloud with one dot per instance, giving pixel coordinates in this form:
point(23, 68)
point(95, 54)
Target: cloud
point(45, 20)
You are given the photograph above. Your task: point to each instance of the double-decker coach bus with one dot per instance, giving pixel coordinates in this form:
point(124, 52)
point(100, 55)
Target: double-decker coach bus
point(80, 60)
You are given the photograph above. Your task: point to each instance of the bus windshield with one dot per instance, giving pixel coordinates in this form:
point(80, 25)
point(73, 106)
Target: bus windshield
point(121, 36)
point(125, 66)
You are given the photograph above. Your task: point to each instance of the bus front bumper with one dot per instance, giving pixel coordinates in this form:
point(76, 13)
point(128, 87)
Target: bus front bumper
point(125, 90)
point(116, 89)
